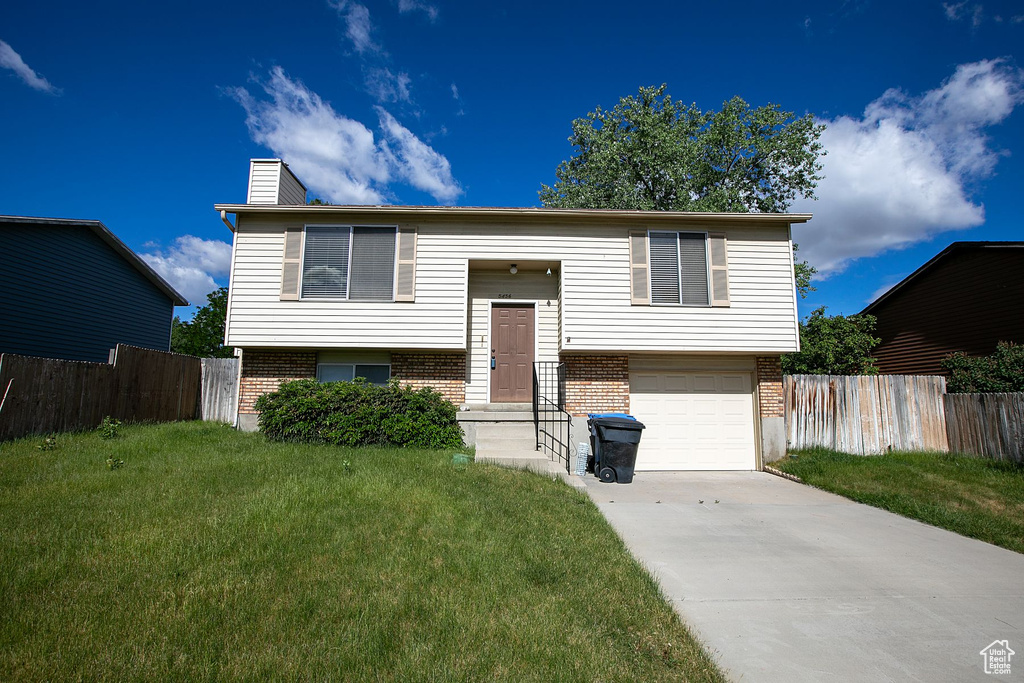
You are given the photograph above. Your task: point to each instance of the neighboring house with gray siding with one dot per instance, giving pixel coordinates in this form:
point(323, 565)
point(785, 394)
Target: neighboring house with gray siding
point(70, 289)
point(679, 318)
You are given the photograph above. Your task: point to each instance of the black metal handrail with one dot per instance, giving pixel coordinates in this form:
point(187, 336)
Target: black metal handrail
point(550, 418)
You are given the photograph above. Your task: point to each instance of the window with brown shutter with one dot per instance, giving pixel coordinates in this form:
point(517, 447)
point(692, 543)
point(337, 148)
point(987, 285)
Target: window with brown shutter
point(357, 263)
point(688, 268)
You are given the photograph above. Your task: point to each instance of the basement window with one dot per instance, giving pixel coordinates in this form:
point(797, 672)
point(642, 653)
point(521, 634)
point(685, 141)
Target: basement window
point(378, 374)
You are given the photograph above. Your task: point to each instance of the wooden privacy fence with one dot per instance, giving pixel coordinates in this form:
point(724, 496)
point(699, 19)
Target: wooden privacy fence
point(220, 389)
point(866, 414)
point(44, 395)
point(991, 425)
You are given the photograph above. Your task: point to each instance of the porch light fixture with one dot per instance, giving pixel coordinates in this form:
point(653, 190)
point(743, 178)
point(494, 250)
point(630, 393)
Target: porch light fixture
point(513, 269)
point(549, 272)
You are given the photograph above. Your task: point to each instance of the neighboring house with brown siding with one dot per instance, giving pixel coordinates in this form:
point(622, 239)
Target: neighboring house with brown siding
point(677, 318)
point(967, 298)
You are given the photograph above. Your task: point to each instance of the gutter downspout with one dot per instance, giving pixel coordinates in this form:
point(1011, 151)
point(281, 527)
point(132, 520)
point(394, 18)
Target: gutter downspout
point(224, 217)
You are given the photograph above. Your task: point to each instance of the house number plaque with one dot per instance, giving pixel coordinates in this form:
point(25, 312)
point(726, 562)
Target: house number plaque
point(504, 296)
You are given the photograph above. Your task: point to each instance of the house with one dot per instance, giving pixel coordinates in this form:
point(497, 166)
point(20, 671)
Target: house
point(677, 318)
point(70, 289)
point(967, 298)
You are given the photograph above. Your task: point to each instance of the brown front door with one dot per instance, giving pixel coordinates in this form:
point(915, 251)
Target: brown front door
point(511, 353)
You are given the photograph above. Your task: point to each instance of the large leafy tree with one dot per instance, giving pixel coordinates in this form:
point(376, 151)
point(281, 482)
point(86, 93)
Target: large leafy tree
point(204, 335)
point(833, 345)
point(653, 153)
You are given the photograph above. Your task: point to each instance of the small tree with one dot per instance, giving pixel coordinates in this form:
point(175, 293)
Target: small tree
point(833, 345)
point(204, 335)
point(1002, 371)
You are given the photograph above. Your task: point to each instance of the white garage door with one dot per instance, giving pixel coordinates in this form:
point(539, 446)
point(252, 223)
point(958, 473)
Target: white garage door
point(694, 420)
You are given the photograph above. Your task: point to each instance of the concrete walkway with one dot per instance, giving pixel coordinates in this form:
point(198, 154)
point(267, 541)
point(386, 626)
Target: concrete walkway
point(784, 582)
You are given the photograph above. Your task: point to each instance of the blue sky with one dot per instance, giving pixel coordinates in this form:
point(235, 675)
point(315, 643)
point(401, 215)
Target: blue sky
point(144, 115)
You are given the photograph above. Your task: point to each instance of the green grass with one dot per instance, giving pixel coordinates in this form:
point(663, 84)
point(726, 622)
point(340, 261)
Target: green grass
point(213, 554)
point(975, 497)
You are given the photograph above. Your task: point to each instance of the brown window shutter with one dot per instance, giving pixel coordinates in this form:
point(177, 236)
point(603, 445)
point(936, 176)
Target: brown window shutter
point(291, 264)
point(405, 284)
point(639, 269)
point(719, 269)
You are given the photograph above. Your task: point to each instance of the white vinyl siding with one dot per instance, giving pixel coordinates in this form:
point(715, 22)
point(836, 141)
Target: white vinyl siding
point(264, 179)
point(596, 313)
point(271, 182)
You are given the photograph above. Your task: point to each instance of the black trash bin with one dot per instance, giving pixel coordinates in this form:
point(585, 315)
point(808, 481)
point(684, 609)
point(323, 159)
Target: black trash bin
point(615, 441)
point(595, 445)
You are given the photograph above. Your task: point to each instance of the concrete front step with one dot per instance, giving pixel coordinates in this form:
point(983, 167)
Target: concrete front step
point(535, 461)
point(486, 444)
point(497, 417)
point(506, 430)
point(498, 407)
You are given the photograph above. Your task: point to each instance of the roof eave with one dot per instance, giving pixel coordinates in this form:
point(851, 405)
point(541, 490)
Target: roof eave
point(574, 215)
point(930, 263)
point(115, 243)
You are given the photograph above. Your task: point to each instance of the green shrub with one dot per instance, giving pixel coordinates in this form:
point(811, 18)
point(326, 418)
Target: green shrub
point(358, 414)
point(1002, 371)
point(110, 428)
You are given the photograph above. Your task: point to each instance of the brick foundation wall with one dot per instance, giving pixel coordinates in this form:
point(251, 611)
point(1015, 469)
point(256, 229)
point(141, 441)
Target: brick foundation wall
point(596, 384)
point(264, 371)
point(445, 373)
point(769, 387)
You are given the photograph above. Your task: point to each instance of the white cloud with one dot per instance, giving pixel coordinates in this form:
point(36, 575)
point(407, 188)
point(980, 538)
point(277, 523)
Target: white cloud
point(191, 265)
point(417, 162)
point(900, 174)
point(955, 11)
point(413, 5)
point(358, 27)
point(386, 86)
point(9, 59)
point(338, 157)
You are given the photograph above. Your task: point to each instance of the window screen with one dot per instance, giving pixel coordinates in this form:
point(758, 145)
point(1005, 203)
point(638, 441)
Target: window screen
point(325, 262)
point(349, 263)
point(679, 268)
point(373, 264)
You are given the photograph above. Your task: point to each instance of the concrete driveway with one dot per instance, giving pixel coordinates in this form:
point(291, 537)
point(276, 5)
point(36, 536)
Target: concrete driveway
point(784, 582)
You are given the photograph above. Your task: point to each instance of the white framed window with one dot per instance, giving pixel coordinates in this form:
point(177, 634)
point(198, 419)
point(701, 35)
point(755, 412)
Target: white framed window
point(679, 268)
point(349, 262)
point(374, 373)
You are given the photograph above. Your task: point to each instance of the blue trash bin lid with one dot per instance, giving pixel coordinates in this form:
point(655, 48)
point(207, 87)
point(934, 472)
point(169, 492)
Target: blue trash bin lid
point(622, 415)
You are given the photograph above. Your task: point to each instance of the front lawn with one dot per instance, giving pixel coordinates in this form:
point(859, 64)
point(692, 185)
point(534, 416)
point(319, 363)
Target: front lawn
point(975, 497)
point(212, 554)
